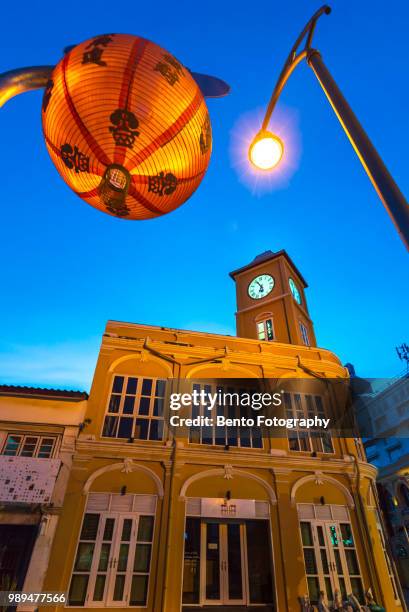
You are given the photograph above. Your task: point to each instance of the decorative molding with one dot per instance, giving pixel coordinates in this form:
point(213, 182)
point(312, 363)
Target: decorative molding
point(127, 466)
point(233, 472)
point(199, 457)
point(273, 356)
point(368, 470)
point(141, 355)
point(263, 315)
point(228, 472)
point(233, 365)
point(320, 478)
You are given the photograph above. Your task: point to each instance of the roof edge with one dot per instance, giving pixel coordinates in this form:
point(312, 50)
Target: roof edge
point(255, 263)
point(42, 393)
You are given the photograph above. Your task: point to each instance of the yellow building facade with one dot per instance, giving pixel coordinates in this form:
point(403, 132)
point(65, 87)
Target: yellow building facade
point(166, 519)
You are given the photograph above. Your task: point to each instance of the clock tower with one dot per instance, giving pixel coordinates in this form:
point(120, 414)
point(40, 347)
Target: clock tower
point(271, 304)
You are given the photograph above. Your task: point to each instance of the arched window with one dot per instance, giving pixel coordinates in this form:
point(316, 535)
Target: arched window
point(304, 333)
point(265, 327)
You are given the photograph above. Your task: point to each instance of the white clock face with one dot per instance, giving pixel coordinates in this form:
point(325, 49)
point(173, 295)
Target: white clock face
point(295, 291)
point(261, 286)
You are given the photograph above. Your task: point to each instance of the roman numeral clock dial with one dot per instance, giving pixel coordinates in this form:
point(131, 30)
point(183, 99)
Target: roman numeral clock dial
point(261, 286)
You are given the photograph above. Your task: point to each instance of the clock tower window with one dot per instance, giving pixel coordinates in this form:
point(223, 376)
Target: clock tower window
point(265, 330)
point(304, 334)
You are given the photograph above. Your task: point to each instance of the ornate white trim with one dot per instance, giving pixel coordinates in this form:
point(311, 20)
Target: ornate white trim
point(320, 478)
point(143, 356)
point(228, 472)
point(263, 315)
point(232, 473)
point(247, 373)
point(126, 466)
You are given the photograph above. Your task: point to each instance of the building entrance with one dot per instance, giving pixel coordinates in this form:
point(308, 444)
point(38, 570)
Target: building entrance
point(224, 564)
point(16, 545)
point(227, 563)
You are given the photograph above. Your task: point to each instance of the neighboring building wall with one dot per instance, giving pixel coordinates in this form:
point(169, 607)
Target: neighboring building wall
point(38, 429)
point(385, 426)
point(138, 514)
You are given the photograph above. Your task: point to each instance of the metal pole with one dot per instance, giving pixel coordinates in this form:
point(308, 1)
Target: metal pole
point(388, 191)
point(18, 81)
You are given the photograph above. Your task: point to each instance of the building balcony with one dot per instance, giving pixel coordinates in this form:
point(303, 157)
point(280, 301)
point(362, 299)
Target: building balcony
point(27, 480)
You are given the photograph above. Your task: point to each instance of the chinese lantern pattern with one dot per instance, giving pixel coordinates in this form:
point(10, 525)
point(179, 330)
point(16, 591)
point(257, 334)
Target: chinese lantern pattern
point(126, 126)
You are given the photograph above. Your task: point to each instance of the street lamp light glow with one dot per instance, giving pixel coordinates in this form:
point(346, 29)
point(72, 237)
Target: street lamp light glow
point(266, 151)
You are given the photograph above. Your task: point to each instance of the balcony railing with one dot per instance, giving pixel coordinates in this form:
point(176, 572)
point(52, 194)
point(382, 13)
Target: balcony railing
point(27, 479)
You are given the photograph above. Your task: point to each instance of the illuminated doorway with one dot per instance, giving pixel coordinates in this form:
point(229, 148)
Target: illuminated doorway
point(227, 563)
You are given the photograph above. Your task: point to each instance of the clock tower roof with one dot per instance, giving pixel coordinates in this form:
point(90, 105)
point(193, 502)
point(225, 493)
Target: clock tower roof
point(268, 256)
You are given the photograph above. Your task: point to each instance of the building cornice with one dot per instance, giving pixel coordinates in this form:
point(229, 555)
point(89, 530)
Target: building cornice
point(88, 450)
point(260, 261)
point(275, 355)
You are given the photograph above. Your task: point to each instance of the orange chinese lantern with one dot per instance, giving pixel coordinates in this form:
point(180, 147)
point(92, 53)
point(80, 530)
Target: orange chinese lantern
point(126, 126)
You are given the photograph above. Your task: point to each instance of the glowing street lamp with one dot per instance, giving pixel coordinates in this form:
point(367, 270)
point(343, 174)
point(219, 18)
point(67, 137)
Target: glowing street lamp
point(266, 150)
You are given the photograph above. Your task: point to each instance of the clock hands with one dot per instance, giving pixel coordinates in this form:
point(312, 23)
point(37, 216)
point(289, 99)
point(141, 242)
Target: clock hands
point(260, 286)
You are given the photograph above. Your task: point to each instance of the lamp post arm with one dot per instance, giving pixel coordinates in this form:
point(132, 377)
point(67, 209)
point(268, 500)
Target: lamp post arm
point(380, 177)
point(386, 188)
point(308, 29)
point(18, 81)
point(284, 76)
point(293, 60)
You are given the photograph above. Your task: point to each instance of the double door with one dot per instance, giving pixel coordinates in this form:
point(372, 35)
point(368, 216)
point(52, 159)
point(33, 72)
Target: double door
point(331, 561)
point(113, 559)
point(110, 574)
point(223, 570)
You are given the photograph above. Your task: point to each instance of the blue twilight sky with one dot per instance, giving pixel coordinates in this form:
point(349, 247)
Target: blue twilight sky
point(67, 268)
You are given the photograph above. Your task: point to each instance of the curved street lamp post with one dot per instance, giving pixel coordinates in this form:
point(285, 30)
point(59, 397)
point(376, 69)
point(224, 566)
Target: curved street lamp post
point(266, 150)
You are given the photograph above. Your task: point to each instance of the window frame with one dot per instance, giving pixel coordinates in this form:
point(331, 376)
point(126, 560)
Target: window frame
point(264, 322)
point(135, 415)
point(304, 333)
point(303, 411)
point(23, 440)
point(202, 411)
